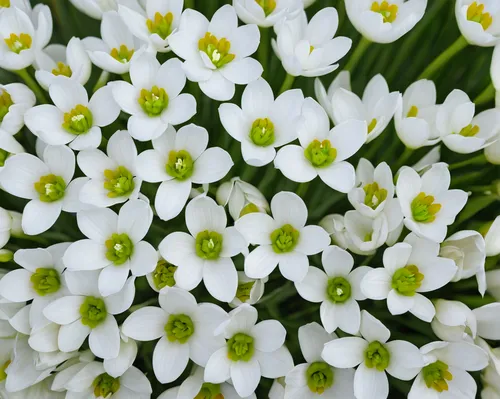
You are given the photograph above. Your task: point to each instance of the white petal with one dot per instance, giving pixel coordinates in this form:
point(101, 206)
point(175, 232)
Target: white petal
point(289, 208)
point(145, 324)
point(376, 284)
point(218, 367)
point(169, 360)
point(71, 336)
point(134, 219)
point(261, 262)
point(345, 352)
point(293, 266)
point(312, 240)
point(203, 213)
point(122, 365)
point(290, 160)
point(180, 109)
point(337, 261)
point(406, 360)
point(16, 286)
point(372, 329)
point(104, 340)
point(313, 287)
point(64, 310)
point(122, 300)
point(312, 338)
point(112, 279)
point(245, 376)
point(275, 364)
point(369, 383)
point(221, 279)
point(269, 335)
point(256, 228)
point(339, 176)
point(98, 224)
point(212, 166)
point(94, 259)
point(39, 216)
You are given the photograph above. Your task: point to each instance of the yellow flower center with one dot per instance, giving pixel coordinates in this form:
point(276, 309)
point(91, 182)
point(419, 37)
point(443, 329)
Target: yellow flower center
point(5, 3)
point(161, 24)
point(424, 209)
point(267, 5)
point(18, 43)
point(413, 112)
point(388, 11)
point(62, 69)
point(123, 54)
point(475, 13)
point(78, 120)
point(372, 125)
point(469, 131)
point(5, 103)
point(216, 49)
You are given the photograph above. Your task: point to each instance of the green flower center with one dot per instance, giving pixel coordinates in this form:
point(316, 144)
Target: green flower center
point(208, 244)
point(118, 182)
point(249, 208)
point(388, 11)
point(104, 385)
point(18, 43)
point(374, 195)
point(413, 112)
point(45, 281)
point(78, 120)
point(209, 391)
point(262, 132)
point(424, 209)
point(436, 376)
point(180, 165)
point(119, 248)
point(93, 311)
point(372, 125)
point(469, 131)
point(3, 157)
point(320, 153)
point(319, 377)
point(377, 356)
point(50, 188)
point(123, 54)
point(284, 239)
point(244, 290)
point(161, 24)
point(407, 280)
point(163, 275)
point(62, 70)
point(338, 289)
point(240, 347)
point(5, 103)
point(3, 374)
point(476, 13)
point(153, 101)
point(267, 5)
point(179, 328)
point(216, 49)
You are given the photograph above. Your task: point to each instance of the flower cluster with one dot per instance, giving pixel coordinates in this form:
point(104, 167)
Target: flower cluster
point(181, 219)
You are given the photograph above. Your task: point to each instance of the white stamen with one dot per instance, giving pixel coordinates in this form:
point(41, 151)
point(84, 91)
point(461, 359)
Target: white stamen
point(49, 188)
point(216, 56)
point(77, 118)
point(17, 45)
point(154, 97)
point(375, 200)
point(339, 291)
point(179, 164)
point(118, 247)
point(211, 244)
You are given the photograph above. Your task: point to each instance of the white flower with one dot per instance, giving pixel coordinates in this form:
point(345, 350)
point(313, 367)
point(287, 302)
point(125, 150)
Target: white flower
point(217, 53)
point(477, 21)
point(492, 152)
point(23, 5)
point(322, 152)
point(375, 356)
point(186, 330)
point(493, 283)
point(46, 183)
point(308, 48)
point(16, 99)
point(467, 249)
point(169, 393)
point(385, 21)
point(488, 322)
point(21, 38)
point(428, 205)
point(415, 117)
point(57, 61)
point(10, 225)
point(282, 239)
point(410, 268)
point(162, 276)
point(97, 8)
point(205, 253)
point(153, 99)
point(277, 390)
point(341, 81)
point(241, 198)
point(126, 357)
point(376, 107)
point(315, 377)
point(492, 238)
point(262, 123)
point(73, 120)
point(454, 322)
point(491, 383)
point(178, 160)
point(249, 290)
point(252, 350)
point(8, 310)
point(161, 20)
point(425, 163)
point(8, 146)
point(338, 290)
point(446, 369)
point(266, 13)
point(85, 313)
point(334, 225)
point(113, 177)
point(93, 381)
point(115, 245)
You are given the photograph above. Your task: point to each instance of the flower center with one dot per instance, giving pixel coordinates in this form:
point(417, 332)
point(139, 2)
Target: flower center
point(267, 5)
point(163, 275)
point(284, 239)
point(5, 103)
point(424, 209)
point(62, 70)
point(338, 290)
point(244, 290)
point(179, 328)
point(240, 347)
point(180, 165)
point(320, 153)
point(119, 248)
point(104, 385)
point(388, 11)
point(18, 43)
point(78, 120)
point(377, 356)
point(262, 132)
point(118, 182)
point(45, 281)
point(216, 49)
point(208, 244)
point(5, 3)
point(3, 157)
point(436, 376)
point(153, 101)
point(413, 112)
point(475, 13)
point(161, 24)
point(372, 125)
point(93, 311)
point(374, 195)
point(123, 54)
point(3, 374)
point(319, 377)
point(407, 280)
point(469, 130)
point(209, 391)
point(50, 188)
point(249, 208)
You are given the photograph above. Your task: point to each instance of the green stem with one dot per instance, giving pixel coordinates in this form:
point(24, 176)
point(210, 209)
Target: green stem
point(248, 173)
point(477, 160)
point(150, 301)
point(287, 83)
point(189, 4)
point(103, 79)
point(444, 57)
point(33, 85)
point(126, 77)
point(355, 57)
point(37, 239)
point(302, 189)
point(263, 50)
point(404, 157)
point(481, 189)
point(486, 95)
